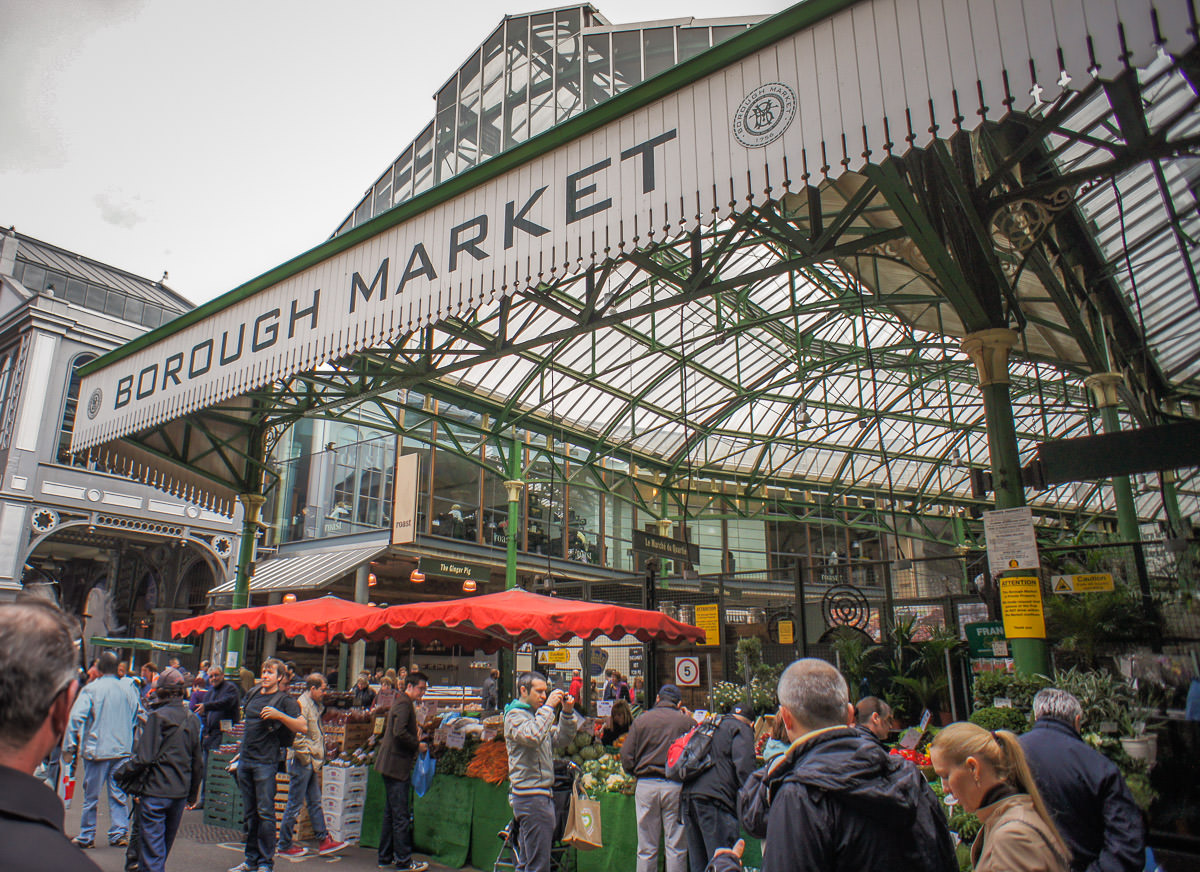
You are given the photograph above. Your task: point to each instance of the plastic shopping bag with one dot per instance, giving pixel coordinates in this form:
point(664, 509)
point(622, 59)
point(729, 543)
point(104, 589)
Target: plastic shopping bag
point(583, 821)
point(423, 769)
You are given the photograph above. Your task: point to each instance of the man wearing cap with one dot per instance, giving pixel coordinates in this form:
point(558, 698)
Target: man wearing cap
point(656, 799)
point(709, 801)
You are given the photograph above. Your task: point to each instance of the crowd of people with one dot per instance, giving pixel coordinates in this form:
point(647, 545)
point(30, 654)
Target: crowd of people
point(829, 796)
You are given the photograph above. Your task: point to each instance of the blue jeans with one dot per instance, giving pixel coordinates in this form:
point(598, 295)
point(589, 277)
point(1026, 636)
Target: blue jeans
point(395, 842)
point(302, 790)
point(257, 783)
point(97, 774)
point(159, 822)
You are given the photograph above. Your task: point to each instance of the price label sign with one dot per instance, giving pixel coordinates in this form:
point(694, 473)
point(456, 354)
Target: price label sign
point(604, 707)
point(379, 724)
point(455, 740)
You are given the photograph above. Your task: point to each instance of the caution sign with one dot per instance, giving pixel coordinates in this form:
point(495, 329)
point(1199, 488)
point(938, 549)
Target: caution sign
point(1021, 606)
point(1096, 582)
point(554, 655)
point(708, 619)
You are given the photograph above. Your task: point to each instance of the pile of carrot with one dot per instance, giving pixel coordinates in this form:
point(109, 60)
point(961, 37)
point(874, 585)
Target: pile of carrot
point(490, 763)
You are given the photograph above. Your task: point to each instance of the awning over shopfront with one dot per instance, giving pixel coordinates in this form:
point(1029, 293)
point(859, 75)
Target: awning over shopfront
point(310, 571)
point(309, 620)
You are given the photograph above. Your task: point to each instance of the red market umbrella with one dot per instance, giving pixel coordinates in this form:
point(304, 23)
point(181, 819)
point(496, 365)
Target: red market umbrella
point(311, 620)
point(514, 617)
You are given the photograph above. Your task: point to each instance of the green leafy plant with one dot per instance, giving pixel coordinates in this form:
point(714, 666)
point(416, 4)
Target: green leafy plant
point(858, 660)
point(1089, 624)
point(993, 718)
point(1018, 689)
point(1103, 696)
point(928, 692)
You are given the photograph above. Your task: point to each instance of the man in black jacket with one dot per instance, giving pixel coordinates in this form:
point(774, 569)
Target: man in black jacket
point(873, 718)
point(710, 799)
point(835, 801)
point(38, 668)
point(398, 749)
point(169, 752)
point(222, 702)
point(1091, 804)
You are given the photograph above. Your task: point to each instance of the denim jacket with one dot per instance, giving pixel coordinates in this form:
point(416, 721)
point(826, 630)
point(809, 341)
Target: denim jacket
point(102, 720)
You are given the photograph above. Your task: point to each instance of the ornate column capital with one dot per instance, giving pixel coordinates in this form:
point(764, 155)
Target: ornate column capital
point(1104, 387)
point(514, 488)
point(664, 526)
point(988, 350)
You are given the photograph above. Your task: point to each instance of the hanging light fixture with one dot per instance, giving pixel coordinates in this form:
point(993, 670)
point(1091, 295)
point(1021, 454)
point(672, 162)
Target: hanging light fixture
point(416, 576)
point(372, 579)
point(469, 586)
point(289, 597)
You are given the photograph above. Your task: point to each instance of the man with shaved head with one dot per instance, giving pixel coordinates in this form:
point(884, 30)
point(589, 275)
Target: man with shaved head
point(836, 800)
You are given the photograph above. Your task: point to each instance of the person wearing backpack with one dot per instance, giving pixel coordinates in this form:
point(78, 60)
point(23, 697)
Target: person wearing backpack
point(168, 752)
point(709, 799)
point(656, 798)
point(272, 720)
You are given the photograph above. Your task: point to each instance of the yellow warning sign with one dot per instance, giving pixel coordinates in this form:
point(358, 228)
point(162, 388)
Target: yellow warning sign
point(1021, 607)
point(1096, 582)
point(787, 633)
point(708, 619)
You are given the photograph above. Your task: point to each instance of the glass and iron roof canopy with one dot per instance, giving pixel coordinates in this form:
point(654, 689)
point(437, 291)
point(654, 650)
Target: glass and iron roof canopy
point(749, 274)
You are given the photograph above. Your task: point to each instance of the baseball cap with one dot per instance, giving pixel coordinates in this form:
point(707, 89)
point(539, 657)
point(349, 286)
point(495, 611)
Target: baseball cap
point(744, 709)
point(170, 677)
point(670, 693)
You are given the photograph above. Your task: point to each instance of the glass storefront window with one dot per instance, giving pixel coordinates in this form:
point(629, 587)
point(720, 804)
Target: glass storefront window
point(467, 145)
point(516, 108)
point(747, 541)
point(490, 137)
point(658, 46)
point(544, 498)
point(692, 41)
point(627, 60)
point(618, 525)
point(597, 75)
point(456, 480)
point(583, 519)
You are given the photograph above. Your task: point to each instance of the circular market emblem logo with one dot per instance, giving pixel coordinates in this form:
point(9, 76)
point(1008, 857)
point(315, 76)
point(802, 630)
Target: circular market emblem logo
point(764, 115)
point(94, 401)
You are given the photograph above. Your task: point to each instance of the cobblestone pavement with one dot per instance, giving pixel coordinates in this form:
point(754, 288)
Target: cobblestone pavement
point(202, 848)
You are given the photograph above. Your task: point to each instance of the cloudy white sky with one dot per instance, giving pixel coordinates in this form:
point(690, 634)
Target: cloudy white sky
point(216, 140)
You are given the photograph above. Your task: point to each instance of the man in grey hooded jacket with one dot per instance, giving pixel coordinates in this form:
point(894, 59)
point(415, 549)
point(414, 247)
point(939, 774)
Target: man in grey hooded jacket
point(532, 727)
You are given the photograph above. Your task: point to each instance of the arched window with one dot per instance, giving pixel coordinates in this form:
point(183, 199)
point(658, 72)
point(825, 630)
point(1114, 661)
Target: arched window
point(70, 407)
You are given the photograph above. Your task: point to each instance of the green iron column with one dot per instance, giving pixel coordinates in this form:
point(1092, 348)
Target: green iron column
point(251, 506)
point(988, 350)
point(1104, 388)
point(514, 486)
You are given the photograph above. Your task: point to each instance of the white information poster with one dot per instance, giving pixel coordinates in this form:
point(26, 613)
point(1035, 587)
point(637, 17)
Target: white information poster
point(1011, 542)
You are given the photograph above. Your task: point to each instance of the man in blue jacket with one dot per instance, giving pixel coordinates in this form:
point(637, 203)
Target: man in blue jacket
point(1084, 790)
point(101, 729)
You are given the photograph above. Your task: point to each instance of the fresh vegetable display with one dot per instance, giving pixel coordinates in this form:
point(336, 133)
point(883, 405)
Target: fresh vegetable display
point(454, 761)
point(912, 756)
point(605, 775)
point(490, 763)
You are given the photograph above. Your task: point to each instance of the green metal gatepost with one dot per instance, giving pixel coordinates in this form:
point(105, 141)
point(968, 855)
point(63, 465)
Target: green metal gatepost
point(251, 506)
point(988, 350)
point(514, 486)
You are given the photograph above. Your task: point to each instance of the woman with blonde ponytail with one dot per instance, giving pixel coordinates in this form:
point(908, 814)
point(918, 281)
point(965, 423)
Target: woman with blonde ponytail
point(988, 774)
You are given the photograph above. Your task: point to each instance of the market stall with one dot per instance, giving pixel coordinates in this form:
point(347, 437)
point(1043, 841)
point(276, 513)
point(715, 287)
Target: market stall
point(457, 819)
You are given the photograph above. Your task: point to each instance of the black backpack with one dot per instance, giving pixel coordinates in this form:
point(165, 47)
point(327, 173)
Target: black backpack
point(691, 754)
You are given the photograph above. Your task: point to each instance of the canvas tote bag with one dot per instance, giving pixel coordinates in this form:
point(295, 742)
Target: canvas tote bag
point(583, 821)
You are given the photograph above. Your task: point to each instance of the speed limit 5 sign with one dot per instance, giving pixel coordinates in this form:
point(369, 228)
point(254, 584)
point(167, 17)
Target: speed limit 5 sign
point(687, 671)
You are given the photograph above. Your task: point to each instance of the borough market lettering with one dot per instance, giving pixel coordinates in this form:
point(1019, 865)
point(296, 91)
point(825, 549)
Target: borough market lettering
point(584, 192)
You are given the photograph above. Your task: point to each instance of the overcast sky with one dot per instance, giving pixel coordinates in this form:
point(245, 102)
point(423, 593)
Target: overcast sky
point(216, 140)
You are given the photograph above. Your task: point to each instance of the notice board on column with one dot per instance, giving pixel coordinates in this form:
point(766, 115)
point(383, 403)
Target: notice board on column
point(1021, 607)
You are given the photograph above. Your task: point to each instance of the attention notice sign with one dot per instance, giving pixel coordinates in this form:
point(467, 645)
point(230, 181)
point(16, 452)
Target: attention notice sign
point(1021, 606)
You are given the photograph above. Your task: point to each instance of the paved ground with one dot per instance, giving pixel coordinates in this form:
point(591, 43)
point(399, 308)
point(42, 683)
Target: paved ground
point(211, 849)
